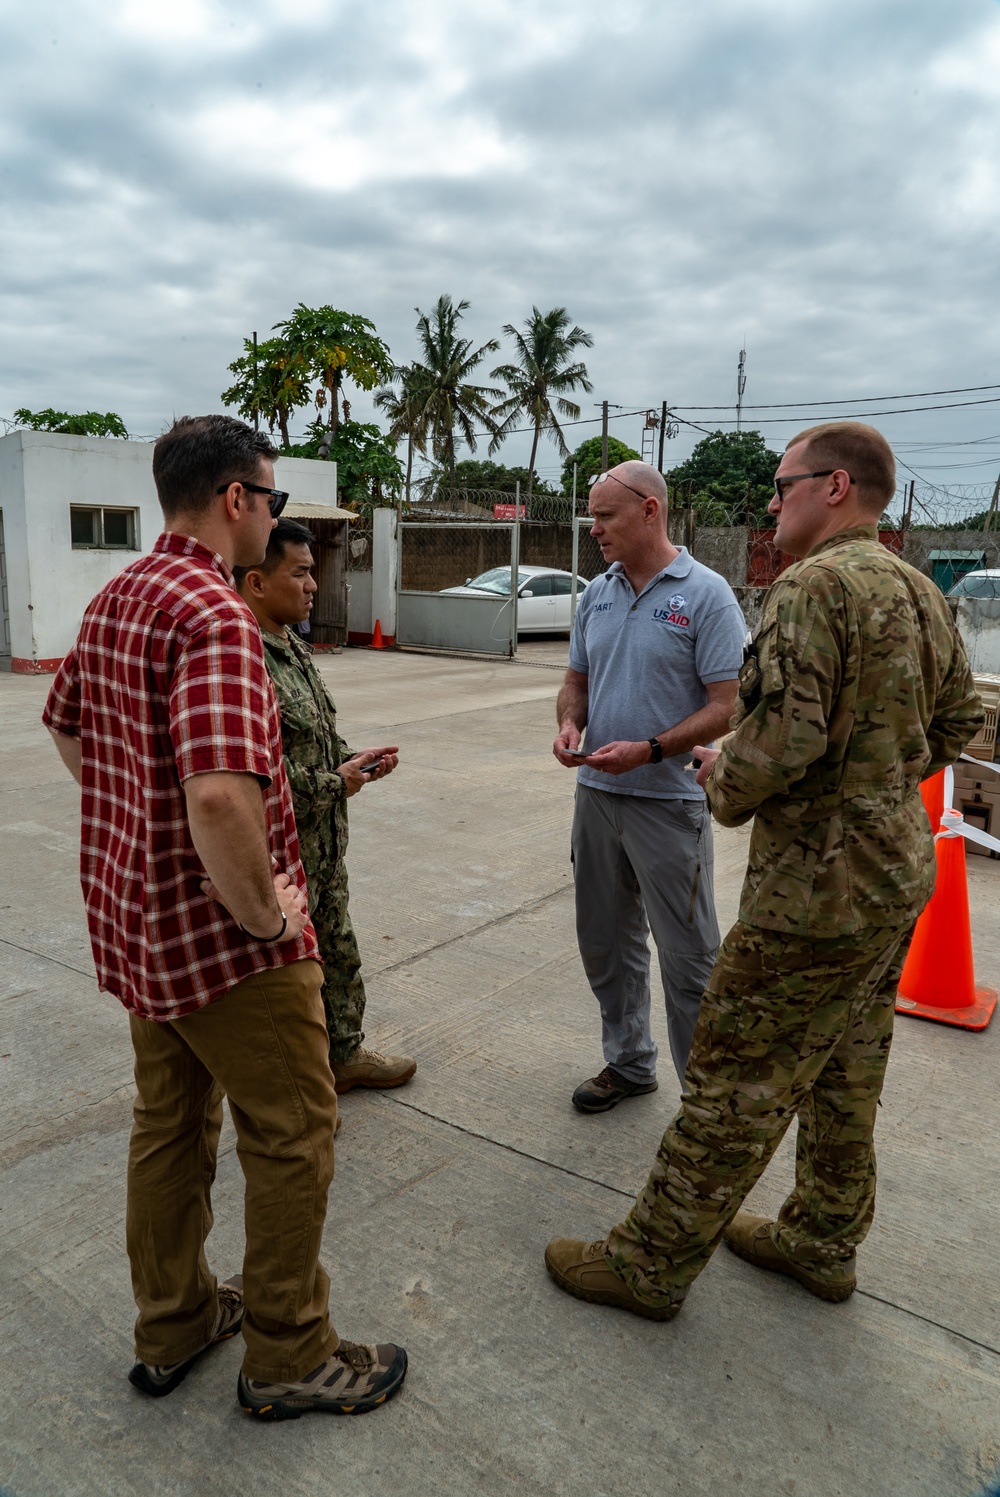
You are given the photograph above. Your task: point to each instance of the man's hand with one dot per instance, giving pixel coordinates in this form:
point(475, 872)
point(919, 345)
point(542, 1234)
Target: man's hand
point(292, 903)
point(708, 757)
point(569, 738)
point(352, 769)
point(619, 757)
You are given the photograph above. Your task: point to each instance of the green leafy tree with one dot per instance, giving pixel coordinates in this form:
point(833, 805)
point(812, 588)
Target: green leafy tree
point(405, 410)
point(496, 478)
point(451, 399)
point(89, 424)
point(588, 463)
point(336, 346)
point(728, 479)
point(540, 378)
point(369, 474)
point(271, 382)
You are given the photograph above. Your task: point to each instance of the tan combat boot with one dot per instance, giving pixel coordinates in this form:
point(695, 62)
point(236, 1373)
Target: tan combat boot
point(369, 1068)
point(582, 1269)
point(749, 1237)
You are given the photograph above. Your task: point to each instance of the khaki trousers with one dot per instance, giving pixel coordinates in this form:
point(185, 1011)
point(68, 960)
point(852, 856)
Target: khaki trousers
point(264, 1044)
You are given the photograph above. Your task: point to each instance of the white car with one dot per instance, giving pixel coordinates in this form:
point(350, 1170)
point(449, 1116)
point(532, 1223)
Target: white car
point(543, 596)
point(985, 584)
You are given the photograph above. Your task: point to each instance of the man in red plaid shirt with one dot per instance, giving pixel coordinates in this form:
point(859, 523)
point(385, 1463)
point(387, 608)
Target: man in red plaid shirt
point(194, 891)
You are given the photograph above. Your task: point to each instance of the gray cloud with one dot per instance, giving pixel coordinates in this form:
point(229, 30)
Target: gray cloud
point(818, 178)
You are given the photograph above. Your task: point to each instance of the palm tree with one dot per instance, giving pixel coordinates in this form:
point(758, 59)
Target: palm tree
point(407, 414)
point(449, 400)
point(541, 372)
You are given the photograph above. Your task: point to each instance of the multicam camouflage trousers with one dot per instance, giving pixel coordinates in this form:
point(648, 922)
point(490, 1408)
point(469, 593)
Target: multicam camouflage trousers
point(788, 1027)
point(343, 989)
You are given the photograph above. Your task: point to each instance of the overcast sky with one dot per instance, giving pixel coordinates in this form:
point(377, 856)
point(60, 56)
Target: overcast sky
point(813, 179)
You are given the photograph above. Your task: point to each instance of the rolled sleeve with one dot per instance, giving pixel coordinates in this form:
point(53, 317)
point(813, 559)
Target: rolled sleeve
point(62, 710)
point(221, 700)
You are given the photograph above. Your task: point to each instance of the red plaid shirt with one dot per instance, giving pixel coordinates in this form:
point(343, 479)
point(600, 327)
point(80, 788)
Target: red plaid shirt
point(167, 680)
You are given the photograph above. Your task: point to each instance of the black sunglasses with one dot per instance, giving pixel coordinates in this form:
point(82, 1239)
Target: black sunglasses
point(276, 503)
point(780, 484)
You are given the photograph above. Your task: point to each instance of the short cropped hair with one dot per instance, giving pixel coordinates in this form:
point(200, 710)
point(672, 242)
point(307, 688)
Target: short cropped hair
point(198, 454)
point(862, 450)
point(285, 533)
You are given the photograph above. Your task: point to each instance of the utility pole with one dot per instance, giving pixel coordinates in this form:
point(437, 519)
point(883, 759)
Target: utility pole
point(908, 516)
point(741, 384)
point(604, 436)
point(663, 435)
point(256, 407)
point(991, 512)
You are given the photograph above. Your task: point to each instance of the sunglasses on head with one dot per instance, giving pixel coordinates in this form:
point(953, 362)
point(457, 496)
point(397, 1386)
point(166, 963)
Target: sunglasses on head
point(603, 478)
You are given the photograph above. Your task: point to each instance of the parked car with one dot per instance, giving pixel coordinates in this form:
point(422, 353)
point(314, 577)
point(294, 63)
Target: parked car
point(984, 584)
point(543, 595)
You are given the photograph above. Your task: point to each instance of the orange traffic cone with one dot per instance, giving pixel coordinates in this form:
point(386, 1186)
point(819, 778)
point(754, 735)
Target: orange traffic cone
point(377, 637)
point(938, 981)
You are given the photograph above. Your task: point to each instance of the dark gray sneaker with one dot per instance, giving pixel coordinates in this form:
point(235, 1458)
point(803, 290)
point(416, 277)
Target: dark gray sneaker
point(158, 1381)
point(606, 1090)
point(353, 1381)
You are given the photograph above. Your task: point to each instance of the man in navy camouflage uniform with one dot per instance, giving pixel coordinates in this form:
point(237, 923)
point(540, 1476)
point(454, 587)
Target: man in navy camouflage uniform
point(323, 774)
point(861, 690)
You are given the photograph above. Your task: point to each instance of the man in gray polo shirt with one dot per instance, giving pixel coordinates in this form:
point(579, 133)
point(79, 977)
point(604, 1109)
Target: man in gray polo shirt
point(656, 650)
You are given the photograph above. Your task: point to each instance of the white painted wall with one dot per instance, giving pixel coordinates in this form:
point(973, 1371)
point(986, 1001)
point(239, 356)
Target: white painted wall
point(385, 566)
point(41, 475)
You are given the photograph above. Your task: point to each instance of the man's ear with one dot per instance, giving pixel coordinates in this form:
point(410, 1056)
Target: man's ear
point(254, 582)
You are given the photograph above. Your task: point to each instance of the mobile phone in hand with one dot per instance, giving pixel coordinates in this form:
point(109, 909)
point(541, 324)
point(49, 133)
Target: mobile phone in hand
point(367, 768)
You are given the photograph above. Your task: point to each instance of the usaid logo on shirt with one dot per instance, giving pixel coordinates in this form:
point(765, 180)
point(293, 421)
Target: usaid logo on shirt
point(674, 612)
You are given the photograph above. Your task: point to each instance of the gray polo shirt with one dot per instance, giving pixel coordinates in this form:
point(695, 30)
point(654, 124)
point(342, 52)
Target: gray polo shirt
point(648, 660)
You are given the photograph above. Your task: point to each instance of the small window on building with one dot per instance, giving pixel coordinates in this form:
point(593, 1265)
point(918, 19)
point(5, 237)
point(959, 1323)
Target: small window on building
point(103, 529)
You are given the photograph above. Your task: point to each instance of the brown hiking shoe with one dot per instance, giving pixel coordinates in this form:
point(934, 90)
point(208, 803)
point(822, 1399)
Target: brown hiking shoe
point(158, 1381)
point(606, 1090)
point(749, 1237)
point(353, 1381)
point(369, 1068)
point(581, 1268)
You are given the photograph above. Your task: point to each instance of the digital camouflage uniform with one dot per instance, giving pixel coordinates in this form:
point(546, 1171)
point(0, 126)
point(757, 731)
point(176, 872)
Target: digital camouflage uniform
point(863, 691)
point(313, 751)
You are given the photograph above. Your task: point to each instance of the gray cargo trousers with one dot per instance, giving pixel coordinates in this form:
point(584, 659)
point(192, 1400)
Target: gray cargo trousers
point(642, 864)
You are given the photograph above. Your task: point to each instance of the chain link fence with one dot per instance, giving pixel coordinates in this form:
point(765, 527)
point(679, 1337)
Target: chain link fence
point(943, 533)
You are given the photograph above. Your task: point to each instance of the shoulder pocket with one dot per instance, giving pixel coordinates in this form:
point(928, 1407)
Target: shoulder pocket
point(771, 679)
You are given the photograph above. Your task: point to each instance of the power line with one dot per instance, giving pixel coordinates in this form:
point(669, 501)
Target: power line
point(787, 405)
point(841, 415)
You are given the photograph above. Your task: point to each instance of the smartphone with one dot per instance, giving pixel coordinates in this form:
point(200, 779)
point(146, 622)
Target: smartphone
point(367, 768)
point(576, 753)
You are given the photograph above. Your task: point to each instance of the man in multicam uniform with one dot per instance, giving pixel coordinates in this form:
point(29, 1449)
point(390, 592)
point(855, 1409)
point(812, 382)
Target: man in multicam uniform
point(322, 773)
point(860, 691)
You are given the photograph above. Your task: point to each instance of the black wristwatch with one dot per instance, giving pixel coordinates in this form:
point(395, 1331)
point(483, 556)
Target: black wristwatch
point(657, 748)
point(268, 940)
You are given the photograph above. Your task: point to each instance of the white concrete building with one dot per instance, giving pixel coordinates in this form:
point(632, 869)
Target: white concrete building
point(75, 510)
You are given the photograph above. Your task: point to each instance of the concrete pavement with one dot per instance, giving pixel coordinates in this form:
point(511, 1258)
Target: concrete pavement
point(448, 1189)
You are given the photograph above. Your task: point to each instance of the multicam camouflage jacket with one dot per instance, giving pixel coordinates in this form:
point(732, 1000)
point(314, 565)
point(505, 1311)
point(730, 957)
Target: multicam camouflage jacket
point(313, 751)
point(864, 691)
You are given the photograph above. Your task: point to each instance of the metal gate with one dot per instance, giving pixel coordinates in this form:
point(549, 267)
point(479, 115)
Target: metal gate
point(435, 558)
